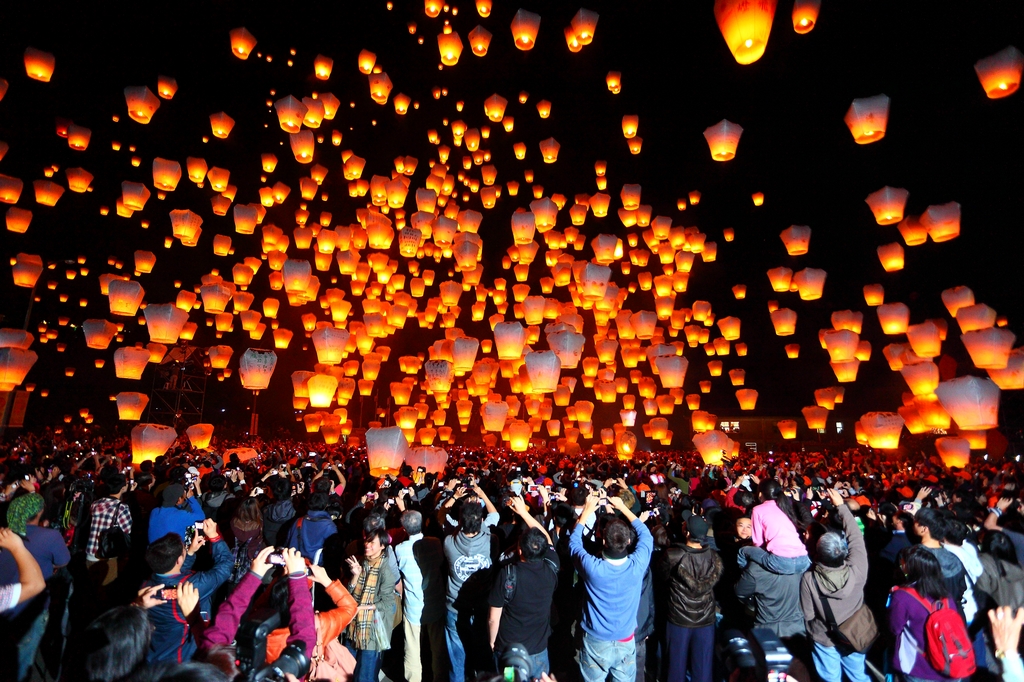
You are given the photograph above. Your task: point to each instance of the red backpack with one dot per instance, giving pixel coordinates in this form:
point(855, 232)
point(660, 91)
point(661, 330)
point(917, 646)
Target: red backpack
point(947, 646)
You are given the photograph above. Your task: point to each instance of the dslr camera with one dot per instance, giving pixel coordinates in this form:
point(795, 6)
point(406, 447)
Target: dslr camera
point(251, 651)
point(761, 657)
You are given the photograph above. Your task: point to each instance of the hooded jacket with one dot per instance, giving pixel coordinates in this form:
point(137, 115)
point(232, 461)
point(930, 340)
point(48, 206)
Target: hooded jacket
point(842, 586)
point(308, 534)
point(469, 565)
point(691, 575)
point(275, 517)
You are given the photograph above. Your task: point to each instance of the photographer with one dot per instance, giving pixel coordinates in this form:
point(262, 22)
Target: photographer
point(171, 562)
point(178, 510)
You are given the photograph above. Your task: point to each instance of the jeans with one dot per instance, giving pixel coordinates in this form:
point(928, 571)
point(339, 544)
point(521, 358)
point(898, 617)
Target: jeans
point(465, 632)
point(690, 648)
point(538, 664)
point(367, 664)
point(29, 644)
point(599, 659)
point(830, 665)
point(773, 562)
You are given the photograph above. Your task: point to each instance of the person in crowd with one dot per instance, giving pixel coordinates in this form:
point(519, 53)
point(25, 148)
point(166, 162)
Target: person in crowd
point(691, 571)
point(106, 513)
point(246, 536)
point(900, 521)
point(179, 509)
point(1000, 584)
point(373, 588)
point(613, 583)
point(470, 555)
point(520, 599)
point(834, 591)
point(421, 563)
point(216, 495)
point(309, 533)
point(26, 622)
point(112, 647)
point(29, 581)
point(930, 526)
point(278, 514)
point(776, 527)
point(171, 562)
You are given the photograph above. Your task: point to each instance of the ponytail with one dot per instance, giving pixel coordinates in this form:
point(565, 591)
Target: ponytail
point(772, 490)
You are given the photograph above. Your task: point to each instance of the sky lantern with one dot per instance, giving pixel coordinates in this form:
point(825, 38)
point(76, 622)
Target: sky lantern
point(98, 333)
point(745, 25)
point(142, 103)
point(134, 195)
point(322, 67)
point(629, 125)
point(989, 348)
point(747, 398)
point(164, 322)
point(730, 328)
point(867, 118)
point(47, 192)
point(321, 388)
point(780, 278)
point(841, 344)
point(386, 449)
point(449, 45)
point(543, 368)
point(10, 189)
point(584, 23)
point(956, 298)
point(887, 204)
point(713, 446)
point(549, 150)
point(380, 87)
point(166, 174)
point(130, 362)
point(79, 179)
point(942, 221)
point(220, 356)
point(977, 316)
point(874, 294)
point(366, 62)
point(805, 15)
point(221, 124)
point(290, 114)
point(255, 367)
point(78, 137)
point(26, 270)
point(494, 107)
point(197, 169)
point(483, 8)
point(894, 318)
point(200, 435)
point(810, 283)
point(525, 26)
point(671, 370)
point(185, 224)
point(39, 65)
point(509, 339)
point(302, 144)
point(15, 364)
point(815, 416)
point(614, 82)
point(724, 136)
point(891, 256)
point(479, 41)
point(787, 428)
point(921, 377)
point(972, 402)
point(784, 321)
point(912, 231)
point(1010, 377)
point(955, 452)
point(125, 297)
point(925, 339)
point(130, 406)
point(166, 87)
point(242, 42)
point(797, 239)
point(1000, 73)
point(882, 429)
point(150, 441)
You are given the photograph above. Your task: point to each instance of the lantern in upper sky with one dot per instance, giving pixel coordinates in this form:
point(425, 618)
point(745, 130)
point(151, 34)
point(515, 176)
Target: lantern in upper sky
point(165, 322)
point(125, 297)
point(942, 221)
point(887, 204)
point(723, 138)
point(242, 42)
point(15, 364)
point(450, 47)
point(525, 26)
point(805, 15)
point(972, 402)
point(39, 65)
point(142, 103)
point(745, 25)
point(867, 118)
point(1000, 73)
point(797, 239)
point(255, 368)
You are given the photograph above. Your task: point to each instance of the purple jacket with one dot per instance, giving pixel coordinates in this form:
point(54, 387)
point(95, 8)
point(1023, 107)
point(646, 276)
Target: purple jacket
point(300, 606)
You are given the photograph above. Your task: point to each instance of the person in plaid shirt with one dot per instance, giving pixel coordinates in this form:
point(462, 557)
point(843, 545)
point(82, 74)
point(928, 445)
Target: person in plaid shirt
point(105, 512)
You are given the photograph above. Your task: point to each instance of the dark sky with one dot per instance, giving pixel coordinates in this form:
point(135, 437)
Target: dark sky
point(945, 142)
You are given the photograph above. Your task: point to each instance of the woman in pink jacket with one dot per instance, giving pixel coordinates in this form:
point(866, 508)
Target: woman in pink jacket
point(778, 526)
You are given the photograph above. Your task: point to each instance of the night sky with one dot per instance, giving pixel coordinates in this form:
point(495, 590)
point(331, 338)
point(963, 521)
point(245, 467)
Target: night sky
point(946, 141)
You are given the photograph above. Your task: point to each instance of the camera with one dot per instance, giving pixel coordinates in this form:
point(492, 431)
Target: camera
point(766, 656)
point(251, 650)
point(515, 664)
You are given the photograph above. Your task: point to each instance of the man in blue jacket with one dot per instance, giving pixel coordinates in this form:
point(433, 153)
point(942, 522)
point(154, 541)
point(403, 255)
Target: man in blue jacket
point(177, 511)
point(172, 562)
point(311, 531)
point(613, 583)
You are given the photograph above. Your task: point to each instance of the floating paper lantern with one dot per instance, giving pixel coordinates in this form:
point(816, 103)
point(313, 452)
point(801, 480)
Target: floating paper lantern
point(810, 283)
point(784, 321)
point(479, 41)
point(449, 45)
point(724, 136)
point(780, 278)
point(787, 428)
point(973, 402)
point(713, 446)
point(797, 239)
point(439, 375)
point(130, 362)
point(10, 189)
point(805, 15)
point(330, 344)
point(165, 322)
point(625, 445)
point(887, 204)
point(747, 398)
point(255, 368)
point(989, 348)
point(125, 297)
point(242, 42)
point(15, 364)
point(815, 416)
point(867, 118)
point(841, 344)
point(942, 221)
point(891, 256)
point(130, 406)
point(1010, 377)
point(525, 26)
point(142, 103)
point(568, 346)
point(882, 429)
point(39, 65)
point(519, 433)
point(494, 415)
point(584, 23)
point(671, 370)
point(745, 26)
point(925, 339)
point(543, 368)
point(921, 377)
point(955, 452)
point(974, 317)
point(956, 298)
point(894, 318)
point(432, 459)
point(150, 441)
point(509, 339)
point(98, 333)
point(1000, 73)
point(18, 219)
point(321, 389)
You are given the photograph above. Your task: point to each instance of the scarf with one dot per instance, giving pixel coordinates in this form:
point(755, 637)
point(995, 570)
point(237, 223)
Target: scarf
point(21, 510)
point(360, 631)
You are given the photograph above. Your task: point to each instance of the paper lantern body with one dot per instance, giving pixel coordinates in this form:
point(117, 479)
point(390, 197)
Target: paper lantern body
point(330, 344)
point(130, 362)
point(745, 26)
point(150, 441)
point(200, 436)
point(543, 368)
point(255, 368)
point(432, 459)
point(797, 239)
point(494, 415)
point(165, 322)
point(125, 297)
point(787, 428)
point(882, 429)
point(816, 417)
point(15, 364)
point(955, 452)
point(989, 348)
point(713, 447)
point(321, 389)
point(386, 449)
point(1000, 73)
point(868, 118)
point(439, 375)
point(1010, 377)
point(509, 339)
point(887, 204)
point(723, 138)
point(972, 402)
point(130, 406)
point(671, 370)
point(98, 333)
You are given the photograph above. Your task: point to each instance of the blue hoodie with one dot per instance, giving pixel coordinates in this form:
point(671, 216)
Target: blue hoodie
point(613, 589)
point(310, 532)
point(164, 520)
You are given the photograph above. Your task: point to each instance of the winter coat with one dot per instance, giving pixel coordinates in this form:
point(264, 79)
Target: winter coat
point(691, 575)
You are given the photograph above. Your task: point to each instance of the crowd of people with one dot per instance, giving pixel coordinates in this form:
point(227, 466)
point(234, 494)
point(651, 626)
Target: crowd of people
point(299, 563)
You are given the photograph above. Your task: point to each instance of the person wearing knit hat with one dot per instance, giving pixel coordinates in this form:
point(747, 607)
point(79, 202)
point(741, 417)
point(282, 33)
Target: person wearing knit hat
point(47, 547)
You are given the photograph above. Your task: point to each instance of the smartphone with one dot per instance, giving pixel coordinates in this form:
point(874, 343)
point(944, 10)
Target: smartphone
point(275, 559)
point(312, 454)
point(657, 479)
point(169, 594)
point(371, 496)
point(650, 498)
point(532, 489)
point(257, 491)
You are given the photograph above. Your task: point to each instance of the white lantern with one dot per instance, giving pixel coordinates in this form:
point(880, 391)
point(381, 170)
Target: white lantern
point(255, 368)
point(386, 449)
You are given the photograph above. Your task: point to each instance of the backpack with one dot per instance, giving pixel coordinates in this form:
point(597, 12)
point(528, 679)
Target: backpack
point(114, 542)
point(509, 584)
point(947, 646)
point(331, 661)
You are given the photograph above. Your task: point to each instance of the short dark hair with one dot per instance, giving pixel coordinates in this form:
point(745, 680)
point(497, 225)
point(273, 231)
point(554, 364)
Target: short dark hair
point(998, 545)
point(281, 488)
point(932, 520)
point(318, 501)
point(471, 517)
point(116, 482)
point(617, 537)
point(380, 534)
point(217, 483)
point(956, 531)
point(164, 553)
point(532, 544)
point(114, 644)
point(923, 572)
